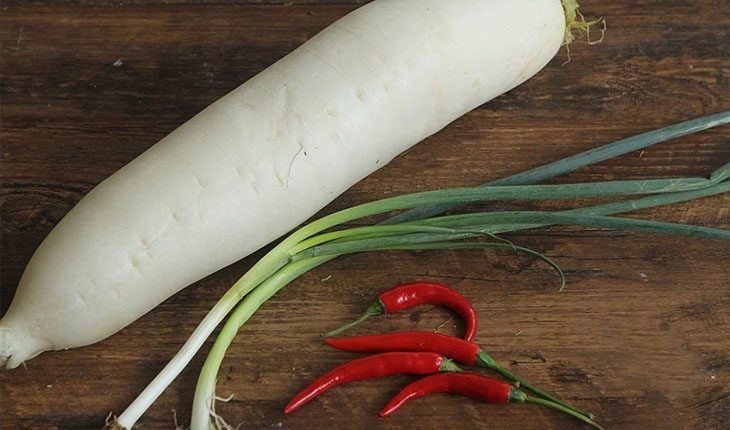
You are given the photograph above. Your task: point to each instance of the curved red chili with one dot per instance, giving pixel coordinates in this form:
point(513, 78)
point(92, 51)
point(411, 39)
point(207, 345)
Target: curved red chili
point(373, 366)
point(406, 296)
point(464, 352)
point(480, 387)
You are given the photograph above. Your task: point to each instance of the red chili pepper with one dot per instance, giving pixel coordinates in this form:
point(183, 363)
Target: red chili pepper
point(464, 352)
point(373, 366)
point(418, 293)
point(468, 384)
point(480, 387)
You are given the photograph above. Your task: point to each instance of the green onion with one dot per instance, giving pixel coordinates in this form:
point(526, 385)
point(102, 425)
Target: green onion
point(205, 388)
point(674, 191)
point(584, 159)
point(311, 257)
point(720, 174)
point(309, 247)
point(484, 221)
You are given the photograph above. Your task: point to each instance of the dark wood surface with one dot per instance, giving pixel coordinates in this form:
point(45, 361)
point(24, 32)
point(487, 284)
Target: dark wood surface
point(640, 337)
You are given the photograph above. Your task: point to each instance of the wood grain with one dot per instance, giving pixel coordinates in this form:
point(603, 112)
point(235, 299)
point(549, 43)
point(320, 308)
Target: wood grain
point(640, 337)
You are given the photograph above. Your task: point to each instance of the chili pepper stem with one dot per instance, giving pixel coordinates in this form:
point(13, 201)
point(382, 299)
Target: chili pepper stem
point(561, 408)
point(486, 361)
point(376, 308)
point(448, 365)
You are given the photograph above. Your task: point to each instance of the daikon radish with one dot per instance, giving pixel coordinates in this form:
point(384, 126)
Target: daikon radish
point(270, 154)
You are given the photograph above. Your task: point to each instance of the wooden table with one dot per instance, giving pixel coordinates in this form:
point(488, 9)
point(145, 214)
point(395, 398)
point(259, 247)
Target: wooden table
point(640, 337)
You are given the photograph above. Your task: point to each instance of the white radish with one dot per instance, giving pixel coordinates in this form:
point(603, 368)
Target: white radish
point(267, 156)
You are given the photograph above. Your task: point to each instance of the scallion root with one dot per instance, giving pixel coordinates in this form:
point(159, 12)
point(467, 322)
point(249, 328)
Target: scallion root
point(217, 421)
point(177, 425)
point(111, 423)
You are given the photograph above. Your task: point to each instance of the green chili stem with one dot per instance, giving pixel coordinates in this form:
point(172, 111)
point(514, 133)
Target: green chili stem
point(486, 360)
point(448, 365)
point(376, 308)
point(561, 408)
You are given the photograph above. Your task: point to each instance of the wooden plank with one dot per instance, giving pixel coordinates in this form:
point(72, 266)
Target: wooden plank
point(639, 338)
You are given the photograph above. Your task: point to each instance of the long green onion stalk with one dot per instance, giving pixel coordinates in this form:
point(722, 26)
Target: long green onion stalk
point(314, 252)
point(316, 243)
point(310, 258)
point(584, 159)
